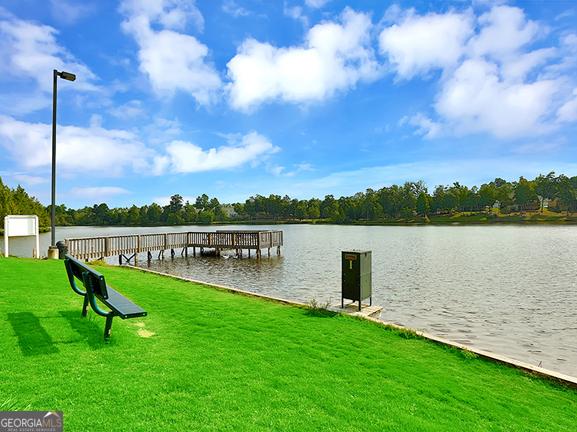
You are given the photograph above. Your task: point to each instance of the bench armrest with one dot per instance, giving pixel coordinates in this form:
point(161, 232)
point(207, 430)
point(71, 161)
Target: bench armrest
point(71, 279)
point(92, 298)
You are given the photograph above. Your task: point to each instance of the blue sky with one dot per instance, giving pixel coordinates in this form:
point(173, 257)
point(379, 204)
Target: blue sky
point(302, 97)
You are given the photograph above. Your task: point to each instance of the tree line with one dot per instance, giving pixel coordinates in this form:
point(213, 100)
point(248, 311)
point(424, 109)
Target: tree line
point(413, 199)
point(410, 201)
point(16, 201)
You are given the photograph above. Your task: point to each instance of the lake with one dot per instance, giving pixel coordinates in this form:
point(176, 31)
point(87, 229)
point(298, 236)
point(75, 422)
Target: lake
point(506, 289)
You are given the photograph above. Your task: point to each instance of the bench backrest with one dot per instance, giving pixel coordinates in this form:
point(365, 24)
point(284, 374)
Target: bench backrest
point(91, 279)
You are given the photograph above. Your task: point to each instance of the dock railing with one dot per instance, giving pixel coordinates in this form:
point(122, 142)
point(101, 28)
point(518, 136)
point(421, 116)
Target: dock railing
point(131, 245)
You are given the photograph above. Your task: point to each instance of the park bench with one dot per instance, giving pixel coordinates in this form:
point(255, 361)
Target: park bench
point(96, 289)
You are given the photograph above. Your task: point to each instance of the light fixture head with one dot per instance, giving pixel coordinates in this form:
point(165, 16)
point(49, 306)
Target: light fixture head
point(67, 76)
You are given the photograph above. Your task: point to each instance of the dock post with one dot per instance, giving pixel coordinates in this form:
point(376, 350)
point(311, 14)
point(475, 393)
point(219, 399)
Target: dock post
point(194, 251)
point(120, 259)
point(269, 252)
point(278, 250)
point(172, 253)
point(149, 256)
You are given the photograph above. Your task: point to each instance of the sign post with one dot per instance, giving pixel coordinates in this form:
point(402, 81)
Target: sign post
point(21, 226)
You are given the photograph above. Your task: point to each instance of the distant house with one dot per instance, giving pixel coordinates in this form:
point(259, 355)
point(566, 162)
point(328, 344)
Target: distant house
point(228, 210)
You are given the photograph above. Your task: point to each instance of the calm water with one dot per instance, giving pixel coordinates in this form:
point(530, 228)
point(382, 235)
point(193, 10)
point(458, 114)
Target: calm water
point(507, 289)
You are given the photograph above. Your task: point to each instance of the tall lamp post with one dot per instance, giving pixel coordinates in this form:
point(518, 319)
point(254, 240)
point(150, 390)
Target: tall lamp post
point(53, 250)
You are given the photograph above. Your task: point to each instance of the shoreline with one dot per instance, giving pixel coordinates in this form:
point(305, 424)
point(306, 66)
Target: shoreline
point(462, 220)
point(558, 377)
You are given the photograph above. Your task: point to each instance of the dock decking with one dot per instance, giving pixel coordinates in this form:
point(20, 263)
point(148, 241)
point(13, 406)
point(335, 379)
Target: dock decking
point(129, 246)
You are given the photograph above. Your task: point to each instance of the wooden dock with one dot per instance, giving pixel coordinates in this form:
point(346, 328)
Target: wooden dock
point(128, 247)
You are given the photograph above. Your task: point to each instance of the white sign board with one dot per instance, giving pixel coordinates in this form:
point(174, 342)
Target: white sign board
point(21, 226)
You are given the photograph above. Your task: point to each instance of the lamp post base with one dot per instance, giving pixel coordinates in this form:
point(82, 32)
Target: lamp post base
point(52, 252)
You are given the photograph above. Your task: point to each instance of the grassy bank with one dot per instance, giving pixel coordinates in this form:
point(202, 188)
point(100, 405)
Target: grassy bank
point(206, 359)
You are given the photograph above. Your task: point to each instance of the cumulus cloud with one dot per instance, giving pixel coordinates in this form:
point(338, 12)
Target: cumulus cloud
point(419, 43)
point(186, 157)
point(491, 81)
point(110, 152)
point(476, 99)
point(30, 51)
point(172, 61)
point(504, 31)
point(80, 150)
point(335, 56)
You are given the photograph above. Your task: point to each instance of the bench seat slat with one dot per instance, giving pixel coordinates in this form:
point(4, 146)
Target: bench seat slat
point(121, 305)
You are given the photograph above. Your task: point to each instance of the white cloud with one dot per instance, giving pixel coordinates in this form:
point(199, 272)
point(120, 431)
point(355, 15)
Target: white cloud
point(568, 111)
point(424, 125)
point(99, 152)
point(186, 157)
point(130, 110)
point(98, 191)
point(476, 99)
point(316, 3)
point(30, 51)
point(232, 8)
point(279, 170)
point(173, 14)
point(79, 150)
point(417, 44)
point(335, 56)
point(173, 61)
point(162, 130)
point(70, 12)
point(518, 67)
point(504, 31)
point(492, 81)
point(30, 180)
point(296, 13)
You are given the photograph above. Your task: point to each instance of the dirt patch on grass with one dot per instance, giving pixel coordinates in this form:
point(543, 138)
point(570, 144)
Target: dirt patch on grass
point(145, 333)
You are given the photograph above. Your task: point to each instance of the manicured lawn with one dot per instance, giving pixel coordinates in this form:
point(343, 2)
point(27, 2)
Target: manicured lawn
point(220, 361)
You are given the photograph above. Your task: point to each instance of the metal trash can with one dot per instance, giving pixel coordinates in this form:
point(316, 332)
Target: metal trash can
point(356, 276)
point(62, 249)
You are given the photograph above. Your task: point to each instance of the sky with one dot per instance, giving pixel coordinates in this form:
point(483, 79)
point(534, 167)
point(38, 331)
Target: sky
point(235, 98)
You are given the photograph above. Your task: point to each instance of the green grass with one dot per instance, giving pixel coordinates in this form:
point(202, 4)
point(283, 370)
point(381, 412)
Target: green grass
point(220, 361)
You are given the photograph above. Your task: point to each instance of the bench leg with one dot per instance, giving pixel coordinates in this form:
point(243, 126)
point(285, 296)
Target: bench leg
point(107, 327)
point(85, 305)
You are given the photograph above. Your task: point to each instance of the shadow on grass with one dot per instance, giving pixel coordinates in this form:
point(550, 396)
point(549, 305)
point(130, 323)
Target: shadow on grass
point(32, 338)
point(86, 327)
